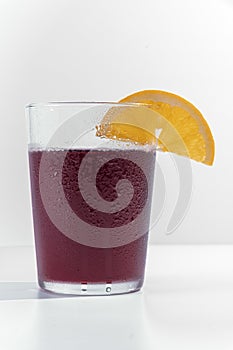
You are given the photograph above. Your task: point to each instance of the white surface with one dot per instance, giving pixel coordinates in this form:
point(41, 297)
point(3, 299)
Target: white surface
point(186, 303)
point(86, 50)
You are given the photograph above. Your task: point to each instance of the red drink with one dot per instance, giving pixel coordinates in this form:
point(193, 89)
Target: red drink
point(63, 259)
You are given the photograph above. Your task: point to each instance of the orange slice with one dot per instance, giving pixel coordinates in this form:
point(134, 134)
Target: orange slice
point(161, 118)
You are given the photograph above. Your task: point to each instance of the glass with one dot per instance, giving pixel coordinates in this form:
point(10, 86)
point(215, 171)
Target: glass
point(91, 200)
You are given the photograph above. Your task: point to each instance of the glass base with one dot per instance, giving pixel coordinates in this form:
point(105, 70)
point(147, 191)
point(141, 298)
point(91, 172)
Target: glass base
point(92, 288)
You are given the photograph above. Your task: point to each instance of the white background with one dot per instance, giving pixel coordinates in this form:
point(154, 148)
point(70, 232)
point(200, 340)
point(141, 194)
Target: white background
point(105, 50)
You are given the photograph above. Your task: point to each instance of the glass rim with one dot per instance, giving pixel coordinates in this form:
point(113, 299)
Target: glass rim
point(78, 103)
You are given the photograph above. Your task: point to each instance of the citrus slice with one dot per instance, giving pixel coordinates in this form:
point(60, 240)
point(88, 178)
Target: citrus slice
point(161, 118)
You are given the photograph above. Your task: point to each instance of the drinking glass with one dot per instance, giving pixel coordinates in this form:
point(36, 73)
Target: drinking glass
point(91, 200)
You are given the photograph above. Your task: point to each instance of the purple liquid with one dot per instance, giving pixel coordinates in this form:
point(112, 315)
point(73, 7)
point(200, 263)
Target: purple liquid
point(61, 259)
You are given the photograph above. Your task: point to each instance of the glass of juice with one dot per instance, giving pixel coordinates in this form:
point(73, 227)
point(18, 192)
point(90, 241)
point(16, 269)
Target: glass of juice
point(91, 200)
